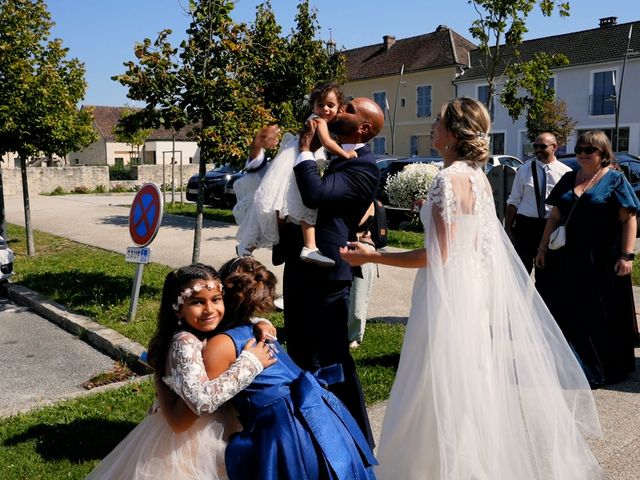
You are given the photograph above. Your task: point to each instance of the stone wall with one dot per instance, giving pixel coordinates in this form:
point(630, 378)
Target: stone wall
point(47, 179)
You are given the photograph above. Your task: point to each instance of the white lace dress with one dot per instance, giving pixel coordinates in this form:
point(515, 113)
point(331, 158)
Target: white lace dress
point(487, 387)
point(152, 450)
point(277, 197)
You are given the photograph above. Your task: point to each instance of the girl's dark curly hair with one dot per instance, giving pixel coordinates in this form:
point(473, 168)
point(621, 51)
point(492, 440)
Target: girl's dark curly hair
point(249, 289)
point(321, 90)
point(167, 326)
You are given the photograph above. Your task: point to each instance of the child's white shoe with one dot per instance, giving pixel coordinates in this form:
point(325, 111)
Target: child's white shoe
point(243, 251)
point(315, 256)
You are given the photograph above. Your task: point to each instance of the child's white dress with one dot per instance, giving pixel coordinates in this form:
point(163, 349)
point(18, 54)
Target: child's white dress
point(278, 192)
point(152, 450)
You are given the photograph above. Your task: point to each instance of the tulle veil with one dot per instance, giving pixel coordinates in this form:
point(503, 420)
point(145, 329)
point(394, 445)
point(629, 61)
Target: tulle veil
point(487, 387)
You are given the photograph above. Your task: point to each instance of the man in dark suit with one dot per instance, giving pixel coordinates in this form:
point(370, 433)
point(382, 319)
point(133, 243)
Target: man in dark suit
point(316, 299)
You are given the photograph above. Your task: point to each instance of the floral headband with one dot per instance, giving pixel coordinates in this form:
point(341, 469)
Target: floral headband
point(188, 292)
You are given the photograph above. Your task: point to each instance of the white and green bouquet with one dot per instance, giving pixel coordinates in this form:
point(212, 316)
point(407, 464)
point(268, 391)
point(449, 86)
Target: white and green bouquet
point(410, 184)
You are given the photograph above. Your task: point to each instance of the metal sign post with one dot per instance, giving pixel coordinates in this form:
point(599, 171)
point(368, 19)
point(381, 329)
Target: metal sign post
point(145, 219)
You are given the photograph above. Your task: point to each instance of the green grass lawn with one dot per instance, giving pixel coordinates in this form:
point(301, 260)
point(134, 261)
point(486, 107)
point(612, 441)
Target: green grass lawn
point(67, 440)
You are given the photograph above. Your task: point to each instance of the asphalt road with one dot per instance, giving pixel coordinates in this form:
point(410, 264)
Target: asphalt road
point(41, 363)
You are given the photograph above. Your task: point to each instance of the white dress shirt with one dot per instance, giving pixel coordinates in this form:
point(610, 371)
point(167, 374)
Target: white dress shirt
point(523, 195)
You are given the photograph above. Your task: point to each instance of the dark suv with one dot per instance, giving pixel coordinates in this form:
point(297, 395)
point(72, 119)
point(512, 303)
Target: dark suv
point(214, 183)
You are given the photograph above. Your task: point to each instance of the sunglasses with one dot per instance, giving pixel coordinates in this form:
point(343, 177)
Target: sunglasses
point(540, 146)
point(587, 150)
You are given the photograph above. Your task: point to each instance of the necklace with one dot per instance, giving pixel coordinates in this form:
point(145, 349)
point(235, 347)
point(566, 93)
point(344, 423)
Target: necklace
point(593, 177)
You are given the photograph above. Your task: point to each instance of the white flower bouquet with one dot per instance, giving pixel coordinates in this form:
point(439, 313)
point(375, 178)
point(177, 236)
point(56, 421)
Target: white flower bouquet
point(411, 184)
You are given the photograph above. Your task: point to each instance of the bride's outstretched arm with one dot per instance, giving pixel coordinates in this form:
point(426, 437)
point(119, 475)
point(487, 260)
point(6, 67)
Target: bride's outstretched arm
point(355, 254)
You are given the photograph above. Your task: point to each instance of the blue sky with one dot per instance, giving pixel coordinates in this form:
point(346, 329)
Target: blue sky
point(102, 33)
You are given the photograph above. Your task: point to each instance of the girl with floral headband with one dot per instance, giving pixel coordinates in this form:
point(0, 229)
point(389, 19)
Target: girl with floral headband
point(191, 312)
point(278, 197)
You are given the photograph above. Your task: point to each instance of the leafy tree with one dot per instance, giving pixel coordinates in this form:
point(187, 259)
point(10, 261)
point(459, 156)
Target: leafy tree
point(208, 79)
point(505, 21)
point(40, 91)
point(527, 90)
point(285, 69)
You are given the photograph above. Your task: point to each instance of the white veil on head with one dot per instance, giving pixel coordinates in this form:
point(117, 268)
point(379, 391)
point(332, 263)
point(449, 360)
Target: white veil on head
point(487, 387)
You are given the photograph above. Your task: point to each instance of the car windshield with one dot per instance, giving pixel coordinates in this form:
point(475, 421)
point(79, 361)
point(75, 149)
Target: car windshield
point(224, 169)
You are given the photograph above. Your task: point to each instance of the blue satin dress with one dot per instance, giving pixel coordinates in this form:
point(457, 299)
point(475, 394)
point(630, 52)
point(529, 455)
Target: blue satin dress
point(293, 428)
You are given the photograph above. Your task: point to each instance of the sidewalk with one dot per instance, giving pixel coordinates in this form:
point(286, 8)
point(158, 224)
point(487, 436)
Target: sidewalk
point(99, 221)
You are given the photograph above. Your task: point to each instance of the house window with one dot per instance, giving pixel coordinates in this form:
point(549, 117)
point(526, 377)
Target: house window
point(119, 161)
point(424, 101)
point(77, 161)
point(379, 146)
point(381, 99)
point(603, 95)
point(483, 96)
point(527, 146)
point(496, 143)
point(413, 145)
point(623, 141)
point(403, 102)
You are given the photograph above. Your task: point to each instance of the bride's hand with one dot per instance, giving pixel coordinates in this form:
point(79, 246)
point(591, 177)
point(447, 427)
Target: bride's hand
point(355, 254)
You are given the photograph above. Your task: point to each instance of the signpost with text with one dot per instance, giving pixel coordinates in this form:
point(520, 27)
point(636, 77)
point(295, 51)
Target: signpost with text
point(145, 219)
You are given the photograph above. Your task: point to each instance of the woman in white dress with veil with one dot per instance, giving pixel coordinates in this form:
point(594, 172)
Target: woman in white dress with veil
point(487, 387)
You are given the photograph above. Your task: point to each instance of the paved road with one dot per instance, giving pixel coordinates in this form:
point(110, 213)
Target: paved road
point(39, 362)
point(102, 221)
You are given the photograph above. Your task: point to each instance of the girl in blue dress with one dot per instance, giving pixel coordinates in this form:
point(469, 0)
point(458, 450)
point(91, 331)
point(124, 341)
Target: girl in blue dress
point(293, 428)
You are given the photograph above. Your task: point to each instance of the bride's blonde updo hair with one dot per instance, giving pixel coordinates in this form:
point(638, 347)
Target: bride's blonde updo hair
point(468, 120)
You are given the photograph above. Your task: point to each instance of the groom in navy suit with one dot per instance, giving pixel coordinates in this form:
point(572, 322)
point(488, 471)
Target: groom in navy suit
point(316, 298)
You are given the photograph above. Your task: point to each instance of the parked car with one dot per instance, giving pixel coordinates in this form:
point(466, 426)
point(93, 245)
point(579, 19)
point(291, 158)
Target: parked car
point(6, 260)
point(214, 185)
point(383, 161)
point(229, 196)
point(508, 160)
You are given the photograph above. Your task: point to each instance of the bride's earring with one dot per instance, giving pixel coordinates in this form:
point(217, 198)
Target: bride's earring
point(446, 147)
point(179, 321)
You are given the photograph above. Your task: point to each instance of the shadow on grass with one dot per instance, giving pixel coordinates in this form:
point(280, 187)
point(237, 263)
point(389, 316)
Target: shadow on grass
point(389, 360)
point(75, 288)
point(80, 440)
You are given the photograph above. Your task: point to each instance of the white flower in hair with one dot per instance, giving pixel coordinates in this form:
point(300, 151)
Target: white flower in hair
point(188, 292)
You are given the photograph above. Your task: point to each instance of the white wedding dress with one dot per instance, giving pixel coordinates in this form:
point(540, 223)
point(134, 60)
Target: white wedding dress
point(487, 387)
point(152, 450)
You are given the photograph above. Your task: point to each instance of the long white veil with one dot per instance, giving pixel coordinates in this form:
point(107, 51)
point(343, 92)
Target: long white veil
point(487, 387)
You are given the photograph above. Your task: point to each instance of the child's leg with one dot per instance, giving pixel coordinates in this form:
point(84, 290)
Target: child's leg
point(309, 235)
point(310, 252)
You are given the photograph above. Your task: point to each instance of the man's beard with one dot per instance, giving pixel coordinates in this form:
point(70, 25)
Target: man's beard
point(342, 127)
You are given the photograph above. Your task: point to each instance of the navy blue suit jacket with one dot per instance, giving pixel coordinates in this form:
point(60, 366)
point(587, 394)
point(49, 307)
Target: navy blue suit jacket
point(342, 196)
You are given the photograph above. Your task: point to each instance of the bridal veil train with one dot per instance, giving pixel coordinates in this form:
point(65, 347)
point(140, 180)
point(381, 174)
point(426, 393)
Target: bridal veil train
point(487, 387)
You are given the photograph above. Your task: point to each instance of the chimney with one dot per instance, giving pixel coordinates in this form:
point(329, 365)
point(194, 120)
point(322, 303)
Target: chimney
point(388, 41)
point(608, 21)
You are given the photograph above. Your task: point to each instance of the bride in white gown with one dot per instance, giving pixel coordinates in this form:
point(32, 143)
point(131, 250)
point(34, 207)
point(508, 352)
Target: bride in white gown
point(487, 387)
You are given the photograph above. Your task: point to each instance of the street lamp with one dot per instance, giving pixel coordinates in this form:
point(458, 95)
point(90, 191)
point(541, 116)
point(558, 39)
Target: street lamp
point(395, 111)
point(618, 94)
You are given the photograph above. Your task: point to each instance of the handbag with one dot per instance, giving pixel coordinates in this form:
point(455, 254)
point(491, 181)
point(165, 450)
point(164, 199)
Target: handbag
point(558, 237)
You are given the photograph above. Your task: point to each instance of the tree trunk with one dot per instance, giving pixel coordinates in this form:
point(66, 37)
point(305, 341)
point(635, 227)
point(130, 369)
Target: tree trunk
point(31, 250)
point(197, 235)
point(3, 223)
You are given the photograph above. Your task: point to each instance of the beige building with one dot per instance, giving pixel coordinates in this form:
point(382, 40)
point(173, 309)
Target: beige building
point(410, 79)
point(156, 149)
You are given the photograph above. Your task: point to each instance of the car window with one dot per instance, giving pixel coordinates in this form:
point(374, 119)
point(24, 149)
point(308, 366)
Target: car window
point(631, 170)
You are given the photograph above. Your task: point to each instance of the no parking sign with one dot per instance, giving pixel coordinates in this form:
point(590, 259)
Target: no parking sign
point(145, 219)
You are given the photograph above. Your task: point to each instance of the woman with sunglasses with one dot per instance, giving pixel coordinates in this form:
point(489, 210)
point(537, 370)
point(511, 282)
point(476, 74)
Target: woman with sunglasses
point(598, 207)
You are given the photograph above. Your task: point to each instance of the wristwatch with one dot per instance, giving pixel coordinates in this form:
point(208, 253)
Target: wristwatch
point(628, 255)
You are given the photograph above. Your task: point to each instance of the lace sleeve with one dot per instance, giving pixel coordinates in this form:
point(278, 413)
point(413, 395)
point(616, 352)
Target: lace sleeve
point(441, 197)
point(188, 377)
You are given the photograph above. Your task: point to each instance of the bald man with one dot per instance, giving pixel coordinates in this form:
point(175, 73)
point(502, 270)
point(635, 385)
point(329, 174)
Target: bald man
point(316, 299)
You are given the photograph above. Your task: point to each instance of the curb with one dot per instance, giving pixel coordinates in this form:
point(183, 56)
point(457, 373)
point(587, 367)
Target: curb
point(104, 339)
